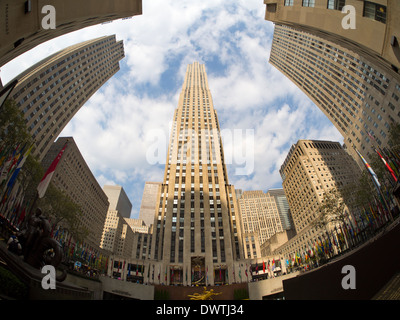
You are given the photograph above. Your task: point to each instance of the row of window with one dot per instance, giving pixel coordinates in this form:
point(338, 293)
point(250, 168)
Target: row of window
point(340, 104)
point(371, 9)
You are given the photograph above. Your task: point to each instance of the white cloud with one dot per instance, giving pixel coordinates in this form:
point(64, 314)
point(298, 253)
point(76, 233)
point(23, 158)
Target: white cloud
point(114, 127)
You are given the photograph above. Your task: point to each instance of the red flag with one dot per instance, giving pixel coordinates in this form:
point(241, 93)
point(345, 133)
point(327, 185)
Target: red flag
point(387, 165)
point(44, 183)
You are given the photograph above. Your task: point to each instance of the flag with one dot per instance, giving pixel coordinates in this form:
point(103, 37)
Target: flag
point(19, 166)
point(11, 160)
point(44, 183)
point(387, 165)
point(373, 174)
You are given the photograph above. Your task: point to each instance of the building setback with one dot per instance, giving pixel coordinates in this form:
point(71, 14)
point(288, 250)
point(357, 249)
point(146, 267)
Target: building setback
point(358, 97)
point(118, 200)
point(52, 91)
point(117, 236)
point(21, 26)
point(73, 176)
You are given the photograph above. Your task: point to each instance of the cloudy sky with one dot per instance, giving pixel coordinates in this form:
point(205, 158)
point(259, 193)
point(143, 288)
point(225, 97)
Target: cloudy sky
point(134, 109)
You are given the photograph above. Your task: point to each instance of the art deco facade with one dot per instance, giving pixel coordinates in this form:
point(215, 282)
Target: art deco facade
point(21, 20)
point(52, 91)
point(357, 96)
point(73, 176)
point(197, 226)
point(375, 34)
point(260, 216)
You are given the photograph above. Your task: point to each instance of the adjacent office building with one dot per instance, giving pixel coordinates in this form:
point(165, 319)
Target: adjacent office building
point(24, 24)
point(118, 199)
point(283, 208)
point(52, 91)
point(197, 225)
point(311, 169)
point(369, 28)
point(117, 237)
point(360, 98)
point(149, 202)
point(73, 176)
point(260, 220)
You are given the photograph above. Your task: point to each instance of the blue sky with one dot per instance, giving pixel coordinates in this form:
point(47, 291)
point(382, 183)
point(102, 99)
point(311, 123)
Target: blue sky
point(114, 128)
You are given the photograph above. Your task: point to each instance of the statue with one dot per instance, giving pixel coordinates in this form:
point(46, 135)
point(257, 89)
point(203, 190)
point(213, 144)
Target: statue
point(205, 295)
point(39, 249)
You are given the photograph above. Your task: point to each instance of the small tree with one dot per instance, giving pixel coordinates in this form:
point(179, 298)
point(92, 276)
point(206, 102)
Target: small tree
point(394, 137)
point(12, 125)
point(331, 210)
point(58, 205)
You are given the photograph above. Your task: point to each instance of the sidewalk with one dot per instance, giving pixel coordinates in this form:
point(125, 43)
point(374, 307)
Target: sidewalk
point(391, 291)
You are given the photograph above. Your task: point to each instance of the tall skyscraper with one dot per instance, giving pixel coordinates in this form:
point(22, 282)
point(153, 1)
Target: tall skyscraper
point(196, 228)
point(369, 28)
point(357, 96)
point(52, 91)
point(24, 24)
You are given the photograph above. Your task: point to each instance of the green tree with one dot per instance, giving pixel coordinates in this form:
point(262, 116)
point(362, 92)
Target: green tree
point(64, 211)
point(360, 193)
point(394, 137)
point(332, 209)
point(13, 129)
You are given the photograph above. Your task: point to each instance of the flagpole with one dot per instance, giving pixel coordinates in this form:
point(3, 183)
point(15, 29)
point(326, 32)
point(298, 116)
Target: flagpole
point(376, 182)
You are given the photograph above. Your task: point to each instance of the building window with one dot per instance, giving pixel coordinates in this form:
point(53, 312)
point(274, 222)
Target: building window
point(271, 7)
point(288, 3)
point(336, 4)
point(375, 11)
point(308, 3)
